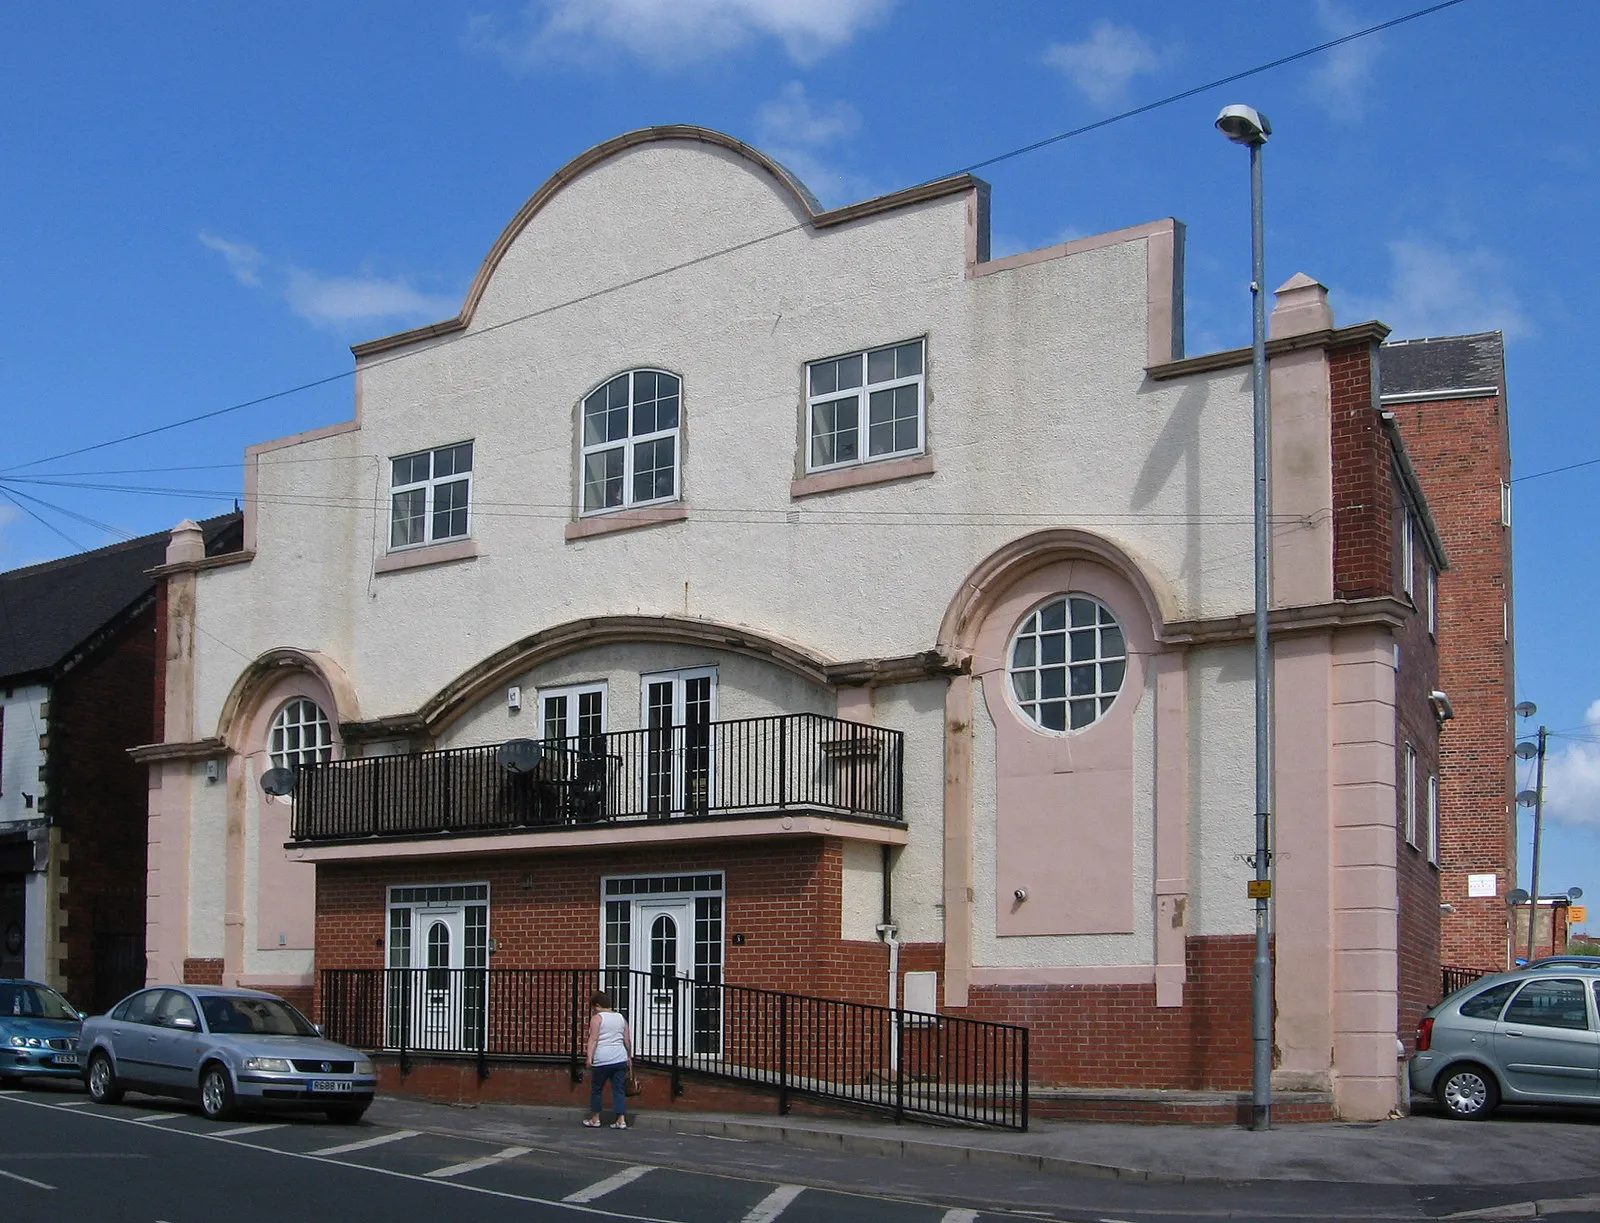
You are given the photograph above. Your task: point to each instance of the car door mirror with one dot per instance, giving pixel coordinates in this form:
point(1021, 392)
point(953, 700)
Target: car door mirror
point(184, 1022)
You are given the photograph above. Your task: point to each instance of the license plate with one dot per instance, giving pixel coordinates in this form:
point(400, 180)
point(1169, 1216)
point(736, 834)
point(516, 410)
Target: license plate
point(331, 1085)
point(65, 1059)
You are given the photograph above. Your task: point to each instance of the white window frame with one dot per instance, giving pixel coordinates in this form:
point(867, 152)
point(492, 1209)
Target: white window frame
point(429, 488)
point(1037, 668)
point(1411, 795)
point(678, 680)
point(571, 693)
point(629, 443)
point(1505, 503)
point(863, 397)
point(1408, 554)
point(1433, 600)
point(321, 749)
point(1433, 818)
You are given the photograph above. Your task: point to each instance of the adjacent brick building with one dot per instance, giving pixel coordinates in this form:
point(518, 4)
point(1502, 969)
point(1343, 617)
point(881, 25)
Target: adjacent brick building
point(1448, 398)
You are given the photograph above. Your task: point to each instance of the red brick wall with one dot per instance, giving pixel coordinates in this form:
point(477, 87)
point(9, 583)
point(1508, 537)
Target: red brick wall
point(1363, 507)
point(1461, 451)
point(202, 972)
point(99, 801)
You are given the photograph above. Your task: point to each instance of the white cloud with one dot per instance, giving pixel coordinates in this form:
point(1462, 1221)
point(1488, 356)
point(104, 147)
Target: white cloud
point(664, 31)
point(1105, 63)
point(1342, 78)
point(1572, 778)
point(1436, 290)
point(339, 300)
point(243, 260)
point(802, 134)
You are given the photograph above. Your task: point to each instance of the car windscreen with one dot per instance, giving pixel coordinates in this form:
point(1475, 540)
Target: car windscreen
point(33, 1002)
point(253, 1017)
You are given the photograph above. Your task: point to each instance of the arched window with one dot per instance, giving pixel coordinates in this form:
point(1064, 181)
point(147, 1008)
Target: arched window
point(301, 734)
point(1067, 662)
point(631, 430)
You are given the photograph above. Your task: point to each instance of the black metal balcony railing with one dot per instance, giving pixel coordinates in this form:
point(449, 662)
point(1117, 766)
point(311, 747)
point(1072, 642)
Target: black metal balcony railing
point(938, 1067)
point(1453, 979)
point(791, 762)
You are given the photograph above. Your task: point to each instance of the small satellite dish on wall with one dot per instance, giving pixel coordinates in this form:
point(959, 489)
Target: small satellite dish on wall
point(278, 782)
point(519, 755)
point(1518, 897)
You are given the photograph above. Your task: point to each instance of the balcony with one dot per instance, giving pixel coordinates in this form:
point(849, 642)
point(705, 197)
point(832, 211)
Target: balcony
point(792, 765)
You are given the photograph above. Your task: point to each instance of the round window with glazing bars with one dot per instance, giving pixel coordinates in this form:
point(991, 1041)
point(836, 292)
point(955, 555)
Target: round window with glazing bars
point(1067, 663)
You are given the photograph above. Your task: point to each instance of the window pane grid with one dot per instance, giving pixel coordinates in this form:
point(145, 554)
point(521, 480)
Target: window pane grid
point(300, 734)
point(630, 441)
point(1068, 662)
point(429, 496)
point(890, 397)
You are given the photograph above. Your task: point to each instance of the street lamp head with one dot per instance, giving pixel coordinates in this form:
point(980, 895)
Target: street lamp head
point(1244, 125)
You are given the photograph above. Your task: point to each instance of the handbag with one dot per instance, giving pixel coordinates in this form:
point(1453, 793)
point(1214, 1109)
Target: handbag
point(631, 1083)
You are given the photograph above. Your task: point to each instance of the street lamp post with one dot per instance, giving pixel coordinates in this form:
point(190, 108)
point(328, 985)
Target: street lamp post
point(1247, 126)
point(1534, 799)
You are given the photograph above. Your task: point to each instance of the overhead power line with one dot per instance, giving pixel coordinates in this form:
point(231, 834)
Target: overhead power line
point(739, 246)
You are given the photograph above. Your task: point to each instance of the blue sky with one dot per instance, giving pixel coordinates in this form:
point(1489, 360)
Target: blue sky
point(207, 204)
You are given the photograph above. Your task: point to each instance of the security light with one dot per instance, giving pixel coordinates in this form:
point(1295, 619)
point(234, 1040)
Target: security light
point(1244, 125)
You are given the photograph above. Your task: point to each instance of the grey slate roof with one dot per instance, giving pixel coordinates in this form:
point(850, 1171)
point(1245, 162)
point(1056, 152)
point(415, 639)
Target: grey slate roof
point(1449, 363)
point(48, 611)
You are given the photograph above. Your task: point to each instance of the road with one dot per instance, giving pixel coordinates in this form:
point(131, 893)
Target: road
point(157, 1161)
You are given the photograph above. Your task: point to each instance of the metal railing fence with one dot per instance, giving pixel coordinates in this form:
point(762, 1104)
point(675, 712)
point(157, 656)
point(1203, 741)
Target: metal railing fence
point(786, 762)
point(939, 1067)
point(1453, 979)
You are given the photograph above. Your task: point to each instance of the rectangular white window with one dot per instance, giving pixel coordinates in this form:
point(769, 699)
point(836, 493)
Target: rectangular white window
point(578, 711)
point(1433, 818)
point(1433, 601)
point(1408, 554)
point(429, 494)
point(1410, 782)
point(1505, 504)
point(865, 406)
point(631, 434)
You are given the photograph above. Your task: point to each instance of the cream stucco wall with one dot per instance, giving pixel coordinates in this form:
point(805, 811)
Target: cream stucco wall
point(1222, 789)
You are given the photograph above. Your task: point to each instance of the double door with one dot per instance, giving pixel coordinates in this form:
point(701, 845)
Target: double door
point(679, 708)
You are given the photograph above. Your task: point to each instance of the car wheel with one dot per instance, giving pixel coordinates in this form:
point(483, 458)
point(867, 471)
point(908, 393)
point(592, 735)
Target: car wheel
point(216, 1092)
point(102, 1080)
point(1468, 1093)
point(347, 1115)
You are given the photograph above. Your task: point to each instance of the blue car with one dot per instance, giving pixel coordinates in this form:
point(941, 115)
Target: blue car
point(38, 1032)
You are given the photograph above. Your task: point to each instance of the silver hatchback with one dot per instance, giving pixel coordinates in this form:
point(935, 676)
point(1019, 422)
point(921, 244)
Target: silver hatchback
point(1525, 1037)
point(228, 1048)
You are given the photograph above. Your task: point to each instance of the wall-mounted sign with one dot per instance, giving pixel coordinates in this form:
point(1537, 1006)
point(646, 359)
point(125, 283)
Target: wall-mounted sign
point(1577, 915)
point(1482, 885)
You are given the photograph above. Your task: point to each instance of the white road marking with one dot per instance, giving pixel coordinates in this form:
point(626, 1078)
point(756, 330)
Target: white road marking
point(472, 1165)
point(957, 1215)
point(70, 1104)
point(774, 1204)
point(159, 1116)
point(239, 1130)
point(26, 1180)
point(611, 1183)
point(346, 1147)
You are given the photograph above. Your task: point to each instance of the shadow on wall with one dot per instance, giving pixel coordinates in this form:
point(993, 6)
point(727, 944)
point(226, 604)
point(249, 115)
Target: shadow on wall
point(1179, 443)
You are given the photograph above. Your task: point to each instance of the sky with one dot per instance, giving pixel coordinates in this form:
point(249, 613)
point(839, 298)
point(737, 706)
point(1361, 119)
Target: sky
point(205, 205)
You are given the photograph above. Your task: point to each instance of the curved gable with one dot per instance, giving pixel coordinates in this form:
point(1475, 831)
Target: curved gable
point(789, 191)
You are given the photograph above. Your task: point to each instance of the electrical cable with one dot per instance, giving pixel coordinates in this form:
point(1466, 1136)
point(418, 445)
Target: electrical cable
point(739, 246)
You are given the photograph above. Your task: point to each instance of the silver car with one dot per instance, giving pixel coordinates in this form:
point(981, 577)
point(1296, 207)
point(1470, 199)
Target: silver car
point(228, 1048)
point(1525, 1037)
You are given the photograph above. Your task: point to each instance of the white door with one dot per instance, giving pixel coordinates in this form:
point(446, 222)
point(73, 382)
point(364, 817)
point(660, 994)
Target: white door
point(663, 947)
point(439, 987)
point(678, 710)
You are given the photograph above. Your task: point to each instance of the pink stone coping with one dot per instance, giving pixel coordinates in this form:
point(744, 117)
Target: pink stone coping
point(860, 475)
point(623, 834)
point(626, 520)
point(432, 554)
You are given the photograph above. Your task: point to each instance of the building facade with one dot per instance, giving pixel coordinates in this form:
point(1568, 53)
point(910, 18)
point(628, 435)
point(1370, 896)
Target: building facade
point(1448, 396)
point(764, 595)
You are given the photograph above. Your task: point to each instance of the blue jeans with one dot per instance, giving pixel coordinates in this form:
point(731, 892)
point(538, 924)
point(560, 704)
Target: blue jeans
point(618, 1076)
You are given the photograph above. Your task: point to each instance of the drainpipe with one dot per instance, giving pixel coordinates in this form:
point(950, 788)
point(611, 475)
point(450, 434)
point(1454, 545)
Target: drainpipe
point(890, 934)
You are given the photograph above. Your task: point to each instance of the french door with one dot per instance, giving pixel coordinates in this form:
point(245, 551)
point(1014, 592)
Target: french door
point(678, 710)
point(663, 948)
point(439, 941)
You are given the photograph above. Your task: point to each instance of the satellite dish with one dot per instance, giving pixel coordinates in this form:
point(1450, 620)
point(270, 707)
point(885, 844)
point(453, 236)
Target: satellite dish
point(519, 755)
point(1518, 897)
point(278, 782)
point(1527, 751)
point(1574, 893)
point(1525, 709)
point(1528, 798)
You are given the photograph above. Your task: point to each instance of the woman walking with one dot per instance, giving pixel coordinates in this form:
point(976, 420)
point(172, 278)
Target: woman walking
point(610, 1051)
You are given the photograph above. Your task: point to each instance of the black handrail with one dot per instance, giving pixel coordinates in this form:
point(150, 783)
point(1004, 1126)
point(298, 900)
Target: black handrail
point(906, 1063)
point(788, 762)
point(1453, 979)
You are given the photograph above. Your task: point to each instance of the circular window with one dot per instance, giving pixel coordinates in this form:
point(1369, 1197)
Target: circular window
point(1067, 662)
point(301, 734)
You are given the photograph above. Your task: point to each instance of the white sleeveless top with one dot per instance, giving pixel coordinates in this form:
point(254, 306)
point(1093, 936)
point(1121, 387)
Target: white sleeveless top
point(608, 1048)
